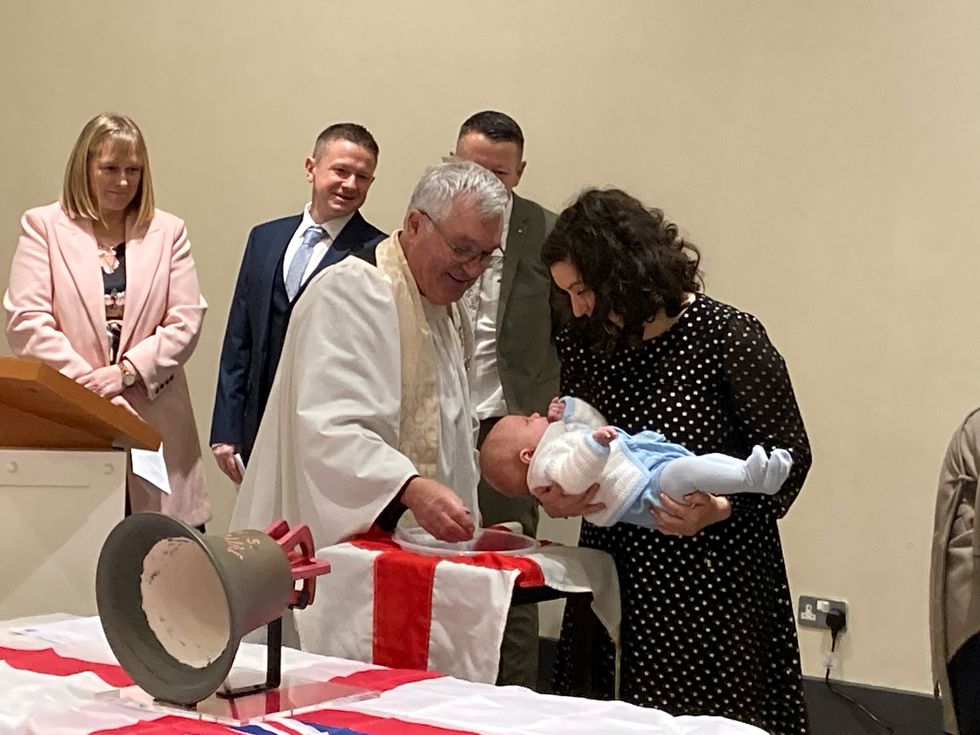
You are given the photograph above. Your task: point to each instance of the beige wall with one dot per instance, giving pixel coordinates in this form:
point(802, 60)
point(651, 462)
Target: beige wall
point(825, 156)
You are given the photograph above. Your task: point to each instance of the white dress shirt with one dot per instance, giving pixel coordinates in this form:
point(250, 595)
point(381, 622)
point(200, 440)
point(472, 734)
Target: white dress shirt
point(486, 391)
point(332, 227)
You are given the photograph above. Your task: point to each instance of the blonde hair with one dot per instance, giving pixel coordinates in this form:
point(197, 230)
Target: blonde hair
point(115, 130)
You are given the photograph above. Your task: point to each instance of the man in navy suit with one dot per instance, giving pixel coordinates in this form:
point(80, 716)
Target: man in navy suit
point(280, 258)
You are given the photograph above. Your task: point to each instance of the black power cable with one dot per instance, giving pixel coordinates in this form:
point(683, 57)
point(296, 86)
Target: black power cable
point(836, 621)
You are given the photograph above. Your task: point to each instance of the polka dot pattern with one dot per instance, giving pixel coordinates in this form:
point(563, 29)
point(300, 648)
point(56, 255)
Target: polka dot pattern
point(708, 622)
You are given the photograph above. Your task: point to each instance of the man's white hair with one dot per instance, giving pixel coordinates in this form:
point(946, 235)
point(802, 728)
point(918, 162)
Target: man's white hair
point(441, 185)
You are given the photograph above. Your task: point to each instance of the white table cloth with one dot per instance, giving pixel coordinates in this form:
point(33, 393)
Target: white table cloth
point(50, 674)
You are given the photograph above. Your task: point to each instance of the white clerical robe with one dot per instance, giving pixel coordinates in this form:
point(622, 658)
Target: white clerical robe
point(326, 451)
point(457, 465)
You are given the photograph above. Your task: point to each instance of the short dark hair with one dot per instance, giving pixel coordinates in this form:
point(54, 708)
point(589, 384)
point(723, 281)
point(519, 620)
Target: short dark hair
point(496, 126)
point(357, 134)
point(633, 259)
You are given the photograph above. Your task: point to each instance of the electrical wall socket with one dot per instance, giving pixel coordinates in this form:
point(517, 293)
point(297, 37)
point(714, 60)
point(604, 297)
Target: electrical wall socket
point(812, 611)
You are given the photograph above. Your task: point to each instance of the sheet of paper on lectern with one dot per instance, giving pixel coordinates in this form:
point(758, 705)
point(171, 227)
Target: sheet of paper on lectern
point(151, 467)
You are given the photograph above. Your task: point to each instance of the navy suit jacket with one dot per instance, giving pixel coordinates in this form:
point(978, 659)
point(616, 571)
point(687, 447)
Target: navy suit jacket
point(244, 380)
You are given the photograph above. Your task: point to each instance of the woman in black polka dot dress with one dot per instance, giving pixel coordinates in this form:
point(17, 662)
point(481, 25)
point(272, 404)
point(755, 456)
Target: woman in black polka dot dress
point(708, 624)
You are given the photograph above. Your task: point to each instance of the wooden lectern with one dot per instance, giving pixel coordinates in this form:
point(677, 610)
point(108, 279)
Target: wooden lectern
point(62, 486)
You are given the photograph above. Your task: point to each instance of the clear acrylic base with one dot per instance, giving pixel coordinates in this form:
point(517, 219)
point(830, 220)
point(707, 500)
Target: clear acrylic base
point(293, 696)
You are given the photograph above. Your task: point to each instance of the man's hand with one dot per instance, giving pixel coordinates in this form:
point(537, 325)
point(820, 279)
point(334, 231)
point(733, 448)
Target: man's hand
point(559, 504)
point(677, 519)
point(224, 455)
point(604, 436)
point(438, 510)
point(556, 409)
point(105, 381)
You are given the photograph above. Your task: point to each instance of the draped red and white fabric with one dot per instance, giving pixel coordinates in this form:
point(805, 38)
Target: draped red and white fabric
point(53, 680)
point(44, 690)
point(393, 607)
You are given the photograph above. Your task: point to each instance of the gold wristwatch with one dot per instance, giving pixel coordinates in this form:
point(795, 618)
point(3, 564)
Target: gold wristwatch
point(128, 376)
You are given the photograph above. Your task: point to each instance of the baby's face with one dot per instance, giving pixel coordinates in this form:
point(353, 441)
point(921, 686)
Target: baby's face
point(523, 432)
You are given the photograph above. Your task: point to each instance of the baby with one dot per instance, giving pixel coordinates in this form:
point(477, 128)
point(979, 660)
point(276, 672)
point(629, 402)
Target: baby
point(573, 446)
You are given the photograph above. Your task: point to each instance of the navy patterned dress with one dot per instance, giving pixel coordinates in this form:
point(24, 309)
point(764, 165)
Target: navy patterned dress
point(708, 623)
point(114, 285)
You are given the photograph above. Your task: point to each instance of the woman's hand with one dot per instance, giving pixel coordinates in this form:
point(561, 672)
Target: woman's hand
point(106, 381)
point(559, 504)
point(677, 519)
point(123, 403)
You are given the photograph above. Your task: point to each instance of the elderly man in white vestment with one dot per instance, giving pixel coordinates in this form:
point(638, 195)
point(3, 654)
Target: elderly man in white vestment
point(369, 412)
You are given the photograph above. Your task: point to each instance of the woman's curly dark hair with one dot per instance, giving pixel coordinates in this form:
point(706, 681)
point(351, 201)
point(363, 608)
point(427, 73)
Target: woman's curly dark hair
point(633, 259)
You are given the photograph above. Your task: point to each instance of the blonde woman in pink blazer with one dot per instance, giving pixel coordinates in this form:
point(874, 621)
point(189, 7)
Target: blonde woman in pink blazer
point(103, 288)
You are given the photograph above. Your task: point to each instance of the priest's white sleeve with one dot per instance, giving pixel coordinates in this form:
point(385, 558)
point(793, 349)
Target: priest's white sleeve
point(326, 452)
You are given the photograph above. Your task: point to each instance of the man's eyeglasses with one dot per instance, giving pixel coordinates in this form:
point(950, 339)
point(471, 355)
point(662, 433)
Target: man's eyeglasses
point(463, 256)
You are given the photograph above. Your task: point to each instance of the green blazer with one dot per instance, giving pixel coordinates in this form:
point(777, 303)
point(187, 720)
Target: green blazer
point(526, 315)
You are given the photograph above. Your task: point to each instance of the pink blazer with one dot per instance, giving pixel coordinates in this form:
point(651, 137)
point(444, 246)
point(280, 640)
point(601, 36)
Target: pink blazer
point(56, 312)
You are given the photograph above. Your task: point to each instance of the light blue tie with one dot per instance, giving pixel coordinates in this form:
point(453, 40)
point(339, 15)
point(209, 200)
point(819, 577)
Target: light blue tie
point(294, 278)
